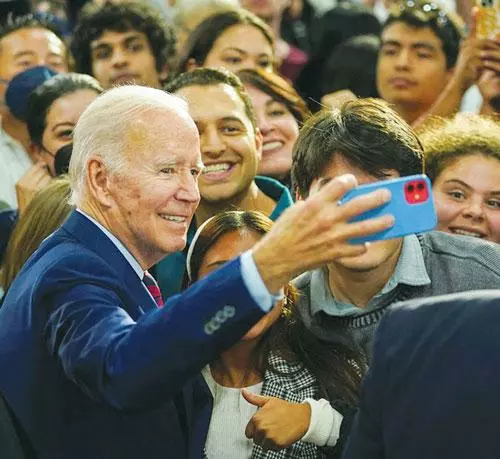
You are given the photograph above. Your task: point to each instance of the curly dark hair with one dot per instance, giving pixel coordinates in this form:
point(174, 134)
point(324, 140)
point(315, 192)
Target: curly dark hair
point(122, 17)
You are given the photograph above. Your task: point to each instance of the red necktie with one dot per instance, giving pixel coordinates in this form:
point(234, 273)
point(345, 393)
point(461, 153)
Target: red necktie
point(153, 288)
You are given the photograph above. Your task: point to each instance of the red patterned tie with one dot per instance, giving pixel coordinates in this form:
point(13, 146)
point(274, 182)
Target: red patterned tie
point(153, 288)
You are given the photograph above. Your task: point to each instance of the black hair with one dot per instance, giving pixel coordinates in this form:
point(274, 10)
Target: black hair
point(337, 25)
point(122, 17)
point(212, 77)
point(202, 39)
point(352, 66)
point(14, 23)
point(42, 98)
point(366, 133)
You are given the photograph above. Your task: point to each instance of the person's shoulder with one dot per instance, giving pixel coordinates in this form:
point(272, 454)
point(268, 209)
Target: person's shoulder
point(438, 311)
point(464, 248)
point(273, 188)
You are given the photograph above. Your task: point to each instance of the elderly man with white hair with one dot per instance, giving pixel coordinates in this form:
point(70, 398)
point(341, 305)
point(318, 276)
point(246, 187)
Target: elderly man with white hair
point(92, 365)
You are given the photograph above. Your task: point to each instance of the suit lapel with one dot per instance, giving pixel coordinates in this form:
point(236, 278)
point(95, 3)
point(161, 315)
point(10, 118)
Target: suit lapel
point(91, 236)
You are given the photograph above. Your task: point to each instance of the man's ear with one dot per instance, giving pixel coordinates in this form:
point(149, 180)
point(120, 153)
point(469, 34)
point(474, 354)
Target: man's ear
point(259, 140)
point(98, 181)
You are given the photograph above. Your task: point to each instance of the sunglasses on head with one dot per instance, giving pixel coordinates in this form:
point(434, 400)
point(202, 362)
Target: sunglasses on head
point(423, 11)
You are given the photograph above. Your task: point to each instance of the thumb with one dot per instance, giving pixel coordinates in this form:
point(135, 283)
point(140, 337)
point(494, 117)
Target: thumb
point(254, 399)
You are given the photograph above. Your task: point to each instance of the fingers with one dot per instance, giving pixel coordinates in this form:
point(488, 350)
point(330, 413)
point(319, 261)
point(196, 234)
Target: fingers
point(250, 429)
point(254, 399)
point(335, 188)
point(364, 203)
point(365, 228)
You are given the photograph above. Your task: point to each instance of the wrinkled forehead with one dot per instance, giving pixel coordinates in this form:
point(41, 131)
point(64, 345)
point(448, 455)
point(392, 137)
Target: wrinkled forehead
point(168, 133)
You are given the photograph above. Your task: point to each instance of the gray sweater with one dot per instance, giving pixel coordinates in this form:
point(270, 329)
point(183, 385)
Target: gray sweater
point(453, 264)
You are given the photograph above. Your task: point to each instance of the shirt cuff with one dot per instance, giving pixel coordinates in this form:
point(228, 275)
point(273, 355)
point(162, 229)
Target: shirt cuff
point(255, 285)
point(324, 427)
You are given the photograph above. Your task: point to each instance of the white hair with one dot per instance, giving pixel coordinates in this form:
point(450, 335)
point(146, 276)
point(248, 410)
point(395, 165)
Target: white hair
point(101, 129)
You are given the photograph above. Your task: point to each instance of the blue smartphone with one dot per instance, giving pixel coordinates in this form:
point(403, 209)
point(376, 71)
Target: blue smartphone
point(411, 204)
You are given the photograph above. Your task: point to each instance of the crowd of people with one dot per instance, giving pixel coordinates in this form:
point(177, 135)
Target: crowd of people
point(178, 278)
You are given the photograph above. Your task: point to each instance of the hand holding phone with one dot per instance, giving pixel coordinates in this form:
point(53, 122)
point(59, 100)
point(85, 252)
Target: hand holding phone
point(411, 205)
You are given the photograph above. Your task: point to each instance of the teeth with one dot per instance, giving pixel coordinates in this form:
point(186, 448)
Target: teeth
point(271, 145)
point(174, 218)
point(221, 167)
point(466, 233)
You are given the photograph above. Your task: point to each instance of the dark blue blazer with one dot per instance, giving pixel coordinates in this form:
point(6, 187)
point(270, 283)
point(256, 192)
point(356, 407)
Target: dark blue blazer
point(91, 368)
point(433, 390)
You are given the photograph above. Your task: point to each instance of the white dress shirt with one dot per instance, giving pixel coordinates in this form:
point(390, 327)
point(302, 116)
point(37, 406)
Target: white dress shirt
point(14, 163)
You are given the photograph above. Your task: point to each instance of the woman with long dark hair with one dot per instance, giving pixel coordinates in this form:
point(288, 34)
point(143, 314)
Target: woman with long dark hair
point(279, 361)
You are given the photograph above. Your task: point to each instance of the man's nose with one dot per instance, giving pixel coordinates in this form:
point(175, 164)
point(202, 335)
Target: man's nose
point(212, 143)
point(188, 188)
point(403, 59)
point(119, 58)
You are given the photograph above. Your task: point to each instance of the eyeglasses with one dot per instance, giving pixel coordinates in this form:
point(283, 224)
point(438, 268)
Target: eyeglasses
point(423, 11)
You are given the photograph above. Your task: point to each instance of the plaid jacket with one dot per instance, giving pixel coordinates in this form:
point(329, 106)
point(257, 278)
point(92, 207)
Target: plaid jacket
point(294, 383)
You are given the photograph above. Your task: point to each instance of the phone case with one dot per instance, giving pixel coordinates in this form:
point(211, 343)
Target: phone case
point(411, 205)
point(487, 19)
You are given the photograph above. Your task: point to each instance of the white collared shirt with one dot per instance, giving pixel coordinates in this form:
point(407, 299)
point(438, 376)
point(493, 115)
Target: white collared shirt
point(14, 163)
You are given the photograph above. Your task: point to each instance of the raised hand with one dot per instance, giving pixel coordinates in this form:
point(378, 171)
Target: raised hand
point(317, 231)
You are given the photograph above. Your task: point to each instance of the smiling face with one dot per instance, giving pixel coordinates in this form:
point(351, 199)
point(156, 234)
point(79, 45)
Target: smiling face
point(409, 59)
point(378, 253)
point(153, 198)
point(30, 47)
point(230, 147)
point(467, 197)
point(227, 247)
point(124, 57)
point(279, 130)
point(241, 47)
point(60, 122)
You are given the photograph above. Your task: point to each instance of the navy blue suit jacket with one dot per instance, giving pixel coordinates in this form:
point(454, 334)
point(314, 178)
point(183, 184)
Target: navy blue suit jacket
point(91, 368)
point(433, 390)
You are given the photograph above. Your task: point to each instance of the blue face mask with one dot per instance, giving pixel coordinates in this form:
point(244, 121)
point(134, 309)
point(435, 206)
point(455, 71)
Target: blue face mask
point(22, 85)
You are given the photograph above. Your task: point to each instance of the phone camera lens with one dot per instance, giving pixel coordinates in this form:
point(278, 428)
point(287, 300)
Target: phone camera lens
point(420, 186)
point(411, 188)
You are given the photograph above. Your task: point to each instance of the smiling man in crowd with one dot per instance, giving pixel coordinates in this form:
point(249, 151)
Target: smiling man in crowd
point(231, 148)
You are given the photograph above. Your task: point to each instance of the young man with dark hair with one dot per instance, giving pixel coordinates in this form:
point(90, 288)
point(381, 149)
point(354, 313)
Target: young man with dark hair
point(424, 66)
point(121, 43)
point(231, 148)
point(25, 43)
point(348, 297)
